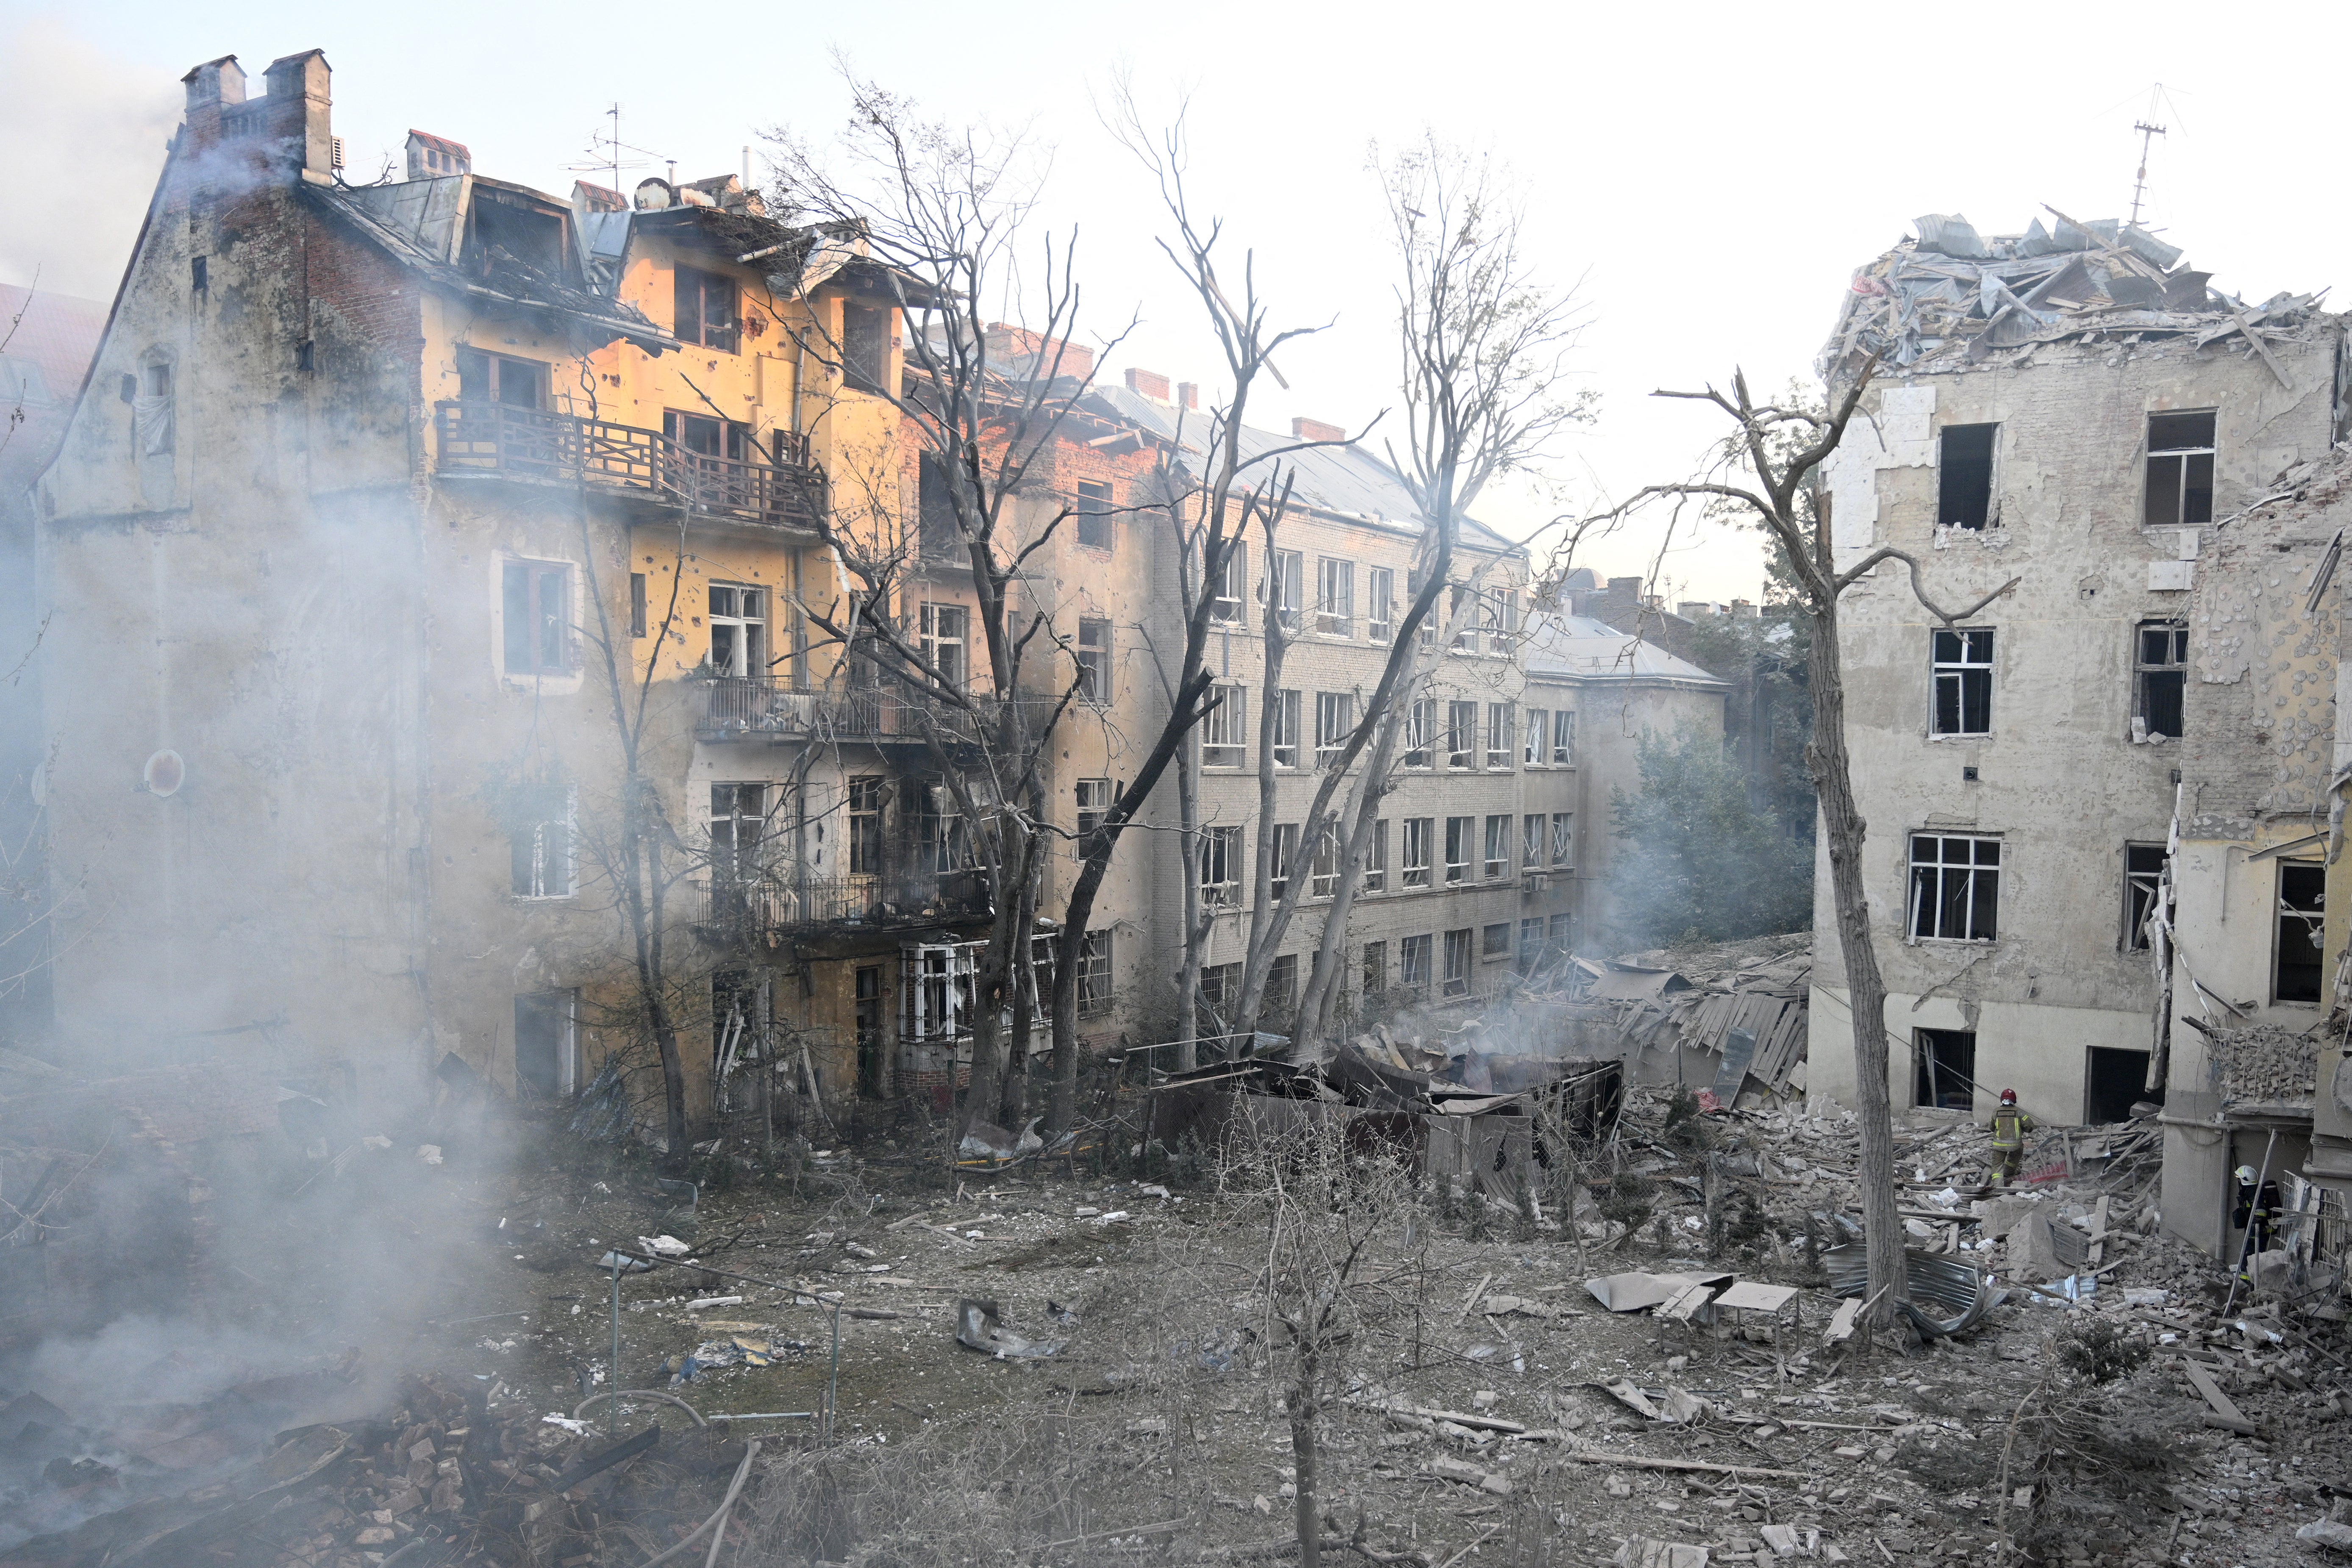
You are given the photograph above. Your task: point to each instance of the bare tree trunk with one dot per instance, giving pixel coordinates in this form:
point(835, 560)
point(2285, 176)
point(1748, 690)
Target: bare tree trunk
point(1188, 967)
point(1844, 829)
point(1308, 1515)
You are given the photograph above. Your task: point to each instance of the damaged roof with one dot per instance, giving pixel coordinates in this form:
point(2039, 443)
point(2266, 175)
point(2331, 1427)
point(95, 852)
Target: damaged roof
point(1556, 643)
point(1344, 482)
point(1952, 298)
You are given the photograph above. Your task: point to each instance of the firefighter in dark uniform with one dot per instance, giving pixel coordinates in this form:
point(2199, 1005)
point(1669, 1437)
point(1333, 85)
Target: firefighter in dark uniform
point(2258, 1208)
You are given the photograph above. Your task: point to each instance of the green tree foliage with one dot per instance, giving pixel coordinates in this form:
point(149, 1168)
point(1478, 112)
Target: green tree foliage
point(1701, 860)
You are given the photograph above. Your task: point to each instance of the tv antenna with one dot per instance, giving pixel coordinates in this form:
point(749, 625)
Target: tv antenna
point(2147, 134)
point(605, 149)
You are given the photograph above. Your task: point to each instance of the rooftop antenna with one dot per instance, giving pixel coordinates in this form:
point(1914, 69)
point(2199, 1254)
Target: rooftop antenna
point(604, 149)
point(2147, 135)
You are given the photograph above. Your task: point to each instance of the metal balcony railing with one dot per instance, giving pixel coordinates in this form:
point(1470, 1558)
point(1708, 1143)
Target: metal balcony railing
point(541, 447)
point(779, 900)
point(763, 705)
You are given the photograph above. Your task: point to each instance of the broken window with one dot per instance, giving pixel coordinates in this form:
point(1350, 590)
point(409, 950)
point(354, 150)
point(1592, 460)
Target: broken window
point(1539, 744)
point(545, 1063)
point(1335, 721)
point(1945, 1070)
point(939, 986)
point(1223, 742)
point(1376, 968)
point(538, 615)
point(1093, 805)
point(1498, 734)
point(1495, 941)
point(1095, 991)
point(1418, 723)
point(540, 841)
point(1457, 962)
point(1563, 839)
point(1498, 846)
point(1459, 832)
point(943, 839)
point(2118, 1082)
point(1376, 858)
point(1282, 855)
point(1225, 586)
point(1286, 585)
point(1462, 734)
point(1324, 877)
point(1963, 681)
point(867, 994)
point(1380, 603)
point(1221, 988)
point(1417, 830)
point(2160, 681)
point(2143, 870)
point(2179, 469)
point(1094, 526)
point(866, 825)
point(1281, 986)
point(1413, 972)
point(1221, 867)
point(1564, 737)
point(1094, 661)
point(1532, 829)
point(1335, 597)
point(738, 822)
point(1286, 729)
point(738, 630)
point(1531, 944)
point(1562, 937)
point(943, 643)
point(1964, 489)
point(2302, 888)
point(495, 378)
point(1954, 888)
point(866, 347)
point(705, 309)
point(938, 534)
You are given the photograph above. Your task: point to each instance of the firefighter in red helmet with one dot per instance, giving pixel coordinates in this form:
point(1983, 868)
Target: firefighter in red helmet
point(2010, 1126)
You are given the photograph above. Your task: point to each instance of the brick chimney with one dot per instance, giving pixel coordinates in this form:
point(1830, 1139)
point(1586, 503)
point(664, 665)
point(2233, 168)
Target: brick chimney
point(1019, 351)
point(1188, 395)
point(300, 113)
point(1315, 430)
point(212, 87)
point(1150, 382)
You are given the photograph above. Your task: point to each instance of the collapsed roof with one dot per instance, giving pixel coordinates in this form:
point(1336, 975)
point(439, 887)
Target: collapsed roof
point(1951, 298)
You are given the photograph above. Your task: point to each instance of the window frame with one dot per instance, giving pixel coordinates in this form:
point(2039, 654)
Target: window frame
point(1460, 736)
point(2144, 864)
point(1285, 727)
point(866, 348)
point(1281, 859)
point(490, 372)
point(1420, 720)
point(2185, 501)
point(1918, 906)
point(1379, 604)
point(1563, 840)
point(1460, 839)
point(1373, 970)
point(546, 849)
point(1499, 735)
point(1084, 808)
point(2312, 921)
point(749, 659)
point(1228, 594)
point(1563, 737)
point(1285, 583)
point(1092, 655)
point(1414, 977)
point(1535, 836)
point(1096, 526)
point(1376, 858)
point(1490, 950)
point(1413, 863)
point(1958, 484)
point(1220, 850)
point(1096, 982)
point(1460, 959)
point(1531, 944)
point(545, 640)
point(932, 618)
point(726, 337)
point(2173, 629)
point(1958, 675)
point(1535, 740)
point(863, 797)
point(1496, 861)
point(1335, 722)
point(1335, 597)
point(1225, 727)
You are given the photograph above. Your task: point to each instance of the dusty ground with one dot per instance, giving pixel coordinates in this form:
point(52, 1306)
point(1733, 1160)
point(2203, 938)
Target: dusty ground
point(1162, 1409)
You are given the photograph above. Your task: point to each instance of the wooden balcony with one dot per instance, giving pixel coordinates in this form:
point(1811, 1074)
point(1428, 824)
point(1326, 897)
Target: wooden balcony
point(534, 445)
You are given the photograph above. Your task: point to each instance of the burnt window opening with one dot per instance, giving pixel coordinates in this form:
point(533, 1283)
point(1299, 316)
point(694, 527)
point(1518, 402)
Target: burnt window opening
point(538, 629)
point(1094, 661)
point(637, 603)
point(1095, 529)
point(495, 378)
point(1962, 674)
point(544, 1035)
point(2160, 681)
point(1944, 1073)
point(306, 355)
point(1964, 486)
point(2143, 877)
point(2302, 898)
point(938, 536)
point(708, 438)
point(2179, 469)
point(866, 795)
point(534, 238)
point(871, 1056)
point(1955, 888)
point(704, 312)
point(866, 347)
point(200, 273)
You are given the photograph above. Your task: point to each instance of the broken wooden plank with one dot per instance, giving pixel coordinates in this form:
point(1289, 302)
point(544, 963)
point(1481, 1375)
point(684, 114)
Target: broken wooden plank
point(1583, 1456)
point(2223, 1413)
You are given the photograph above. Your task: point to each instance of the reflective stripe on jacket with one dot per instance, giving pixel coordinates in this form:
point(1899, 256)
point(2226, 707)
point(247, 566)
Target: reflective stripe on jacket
point(2009, 1128)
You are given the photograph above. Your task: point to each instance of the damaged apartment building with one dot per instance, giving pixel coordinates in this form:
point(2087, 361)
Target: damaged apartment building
point(398, 522)
point(2103, 809)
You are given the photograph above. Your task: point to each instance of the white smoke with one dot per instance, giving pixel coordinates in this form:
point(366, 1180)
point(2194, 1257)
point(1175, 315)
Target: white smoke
point(84, 134)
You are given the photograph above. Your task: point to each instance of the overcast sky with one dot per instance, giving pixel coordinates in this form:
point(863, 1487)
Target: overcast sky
point(1706, 178)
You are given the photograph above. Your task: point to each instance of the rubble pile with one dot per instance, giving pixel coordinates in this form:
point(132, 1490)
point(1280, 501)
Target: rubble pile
point(454, 1473)
point(1952, 299)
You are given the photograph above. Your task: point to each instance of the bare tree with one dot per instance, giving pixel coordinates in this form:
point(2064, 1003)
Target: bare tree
point(1768, 470)
point(1483, 345)
point(940, 211)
